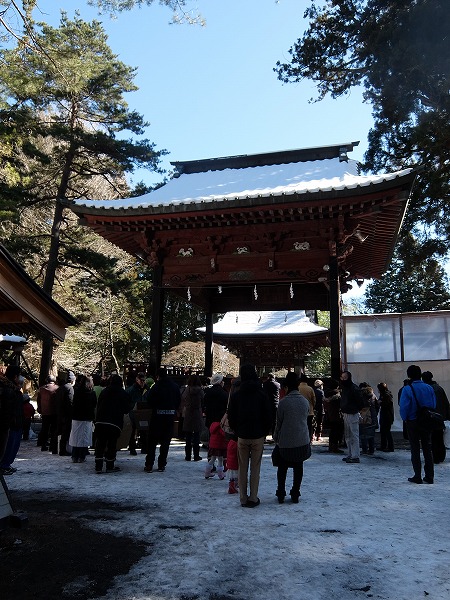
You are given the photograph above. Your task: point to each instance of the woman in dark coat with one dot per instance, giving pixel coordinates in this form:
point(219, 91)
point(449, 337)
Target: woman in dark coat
point(192, 399)
point(216, 399)
point(83, 414)
point(386, 417)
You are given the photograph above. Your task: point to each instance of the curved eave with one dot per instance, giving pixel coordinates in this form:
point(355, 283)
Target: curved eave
point(25, 309)
point(328, 193)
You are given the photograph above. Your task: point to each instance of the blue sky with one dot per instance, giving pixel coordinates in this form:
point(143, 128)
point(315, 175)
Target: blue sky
point(211, 91)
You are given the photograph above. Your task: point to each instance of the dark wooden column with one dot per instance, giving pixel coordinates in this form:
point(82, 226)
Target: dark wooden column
point(157, 321)
point(209, 344)
point(335, 319)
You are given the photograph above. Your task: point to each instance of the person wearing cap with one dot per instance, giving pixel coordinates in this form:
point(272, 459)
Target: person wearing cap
point(215, 401)
point(135, 391)
point(64, 403)
point(47, 407)
point(318, 408)
point(11, 403)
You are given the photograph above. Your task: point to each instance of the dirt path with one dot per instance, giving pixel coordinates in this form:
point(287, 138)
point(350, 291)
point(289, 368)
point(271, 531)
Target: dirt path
point(55, 557)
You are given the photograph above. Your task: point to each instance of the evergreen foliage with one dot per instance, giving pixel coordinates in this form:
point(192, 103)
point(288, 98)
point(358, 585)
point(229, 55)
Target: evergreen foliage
point(399, 51)
point(64, 119)
point(414, 282)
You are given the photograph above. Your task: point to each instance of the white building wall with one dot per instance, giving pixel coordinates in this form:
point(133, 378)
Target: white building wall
point(393, 375)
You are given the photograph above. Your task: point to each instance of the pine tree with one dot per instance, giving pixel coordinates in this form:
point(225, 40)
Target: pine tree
point(67, 105)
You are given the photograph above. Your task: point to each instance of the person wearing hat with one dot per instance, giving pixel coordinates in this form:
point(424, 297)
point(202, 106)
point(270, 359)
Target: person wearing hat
point(318, 408)
point(215, 401)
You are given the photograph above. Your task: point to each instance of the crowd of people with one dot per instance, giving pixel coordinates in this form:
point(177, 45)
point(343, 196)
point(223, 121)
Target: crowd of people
point(83, 412)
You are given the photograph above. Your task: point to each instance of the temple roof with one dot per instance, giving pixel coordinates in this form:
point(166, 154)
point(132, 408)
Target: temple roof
point(266, 323)
point(257, 183)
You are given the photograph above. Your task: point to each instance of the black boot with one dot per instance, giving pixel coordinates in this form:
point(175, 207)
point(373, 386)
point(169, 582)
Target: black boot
point(110, 468)
point(280, 494)
point(295, 495)
point(197, 456)
point(188, 451)
point(98, 465)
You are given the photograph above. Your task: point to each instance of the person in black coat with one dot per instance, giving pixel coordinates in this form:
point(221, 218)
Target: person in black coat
point(272, 388)
point(386, 402)
point(249, 415)
point(215, 400)
point(83, 414)
point(351, 404)
point(164, 399)
point(11, 404)
point(442, 407)
point(113, 404)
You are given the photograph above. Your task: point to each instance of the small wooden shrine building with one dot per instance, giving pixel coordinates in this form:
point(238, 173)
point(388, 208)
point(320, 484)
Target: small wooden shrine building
point(270, 339)
point(275, 231)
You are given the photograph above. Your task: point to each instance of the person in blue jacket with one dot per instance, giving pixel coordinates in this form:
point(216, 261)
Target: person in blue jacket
point(418, 392)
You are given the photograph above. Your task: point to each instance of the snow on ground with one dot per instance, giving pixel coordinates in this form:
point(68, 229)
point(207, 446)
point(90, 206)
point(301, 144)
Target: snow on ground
point(359, 531)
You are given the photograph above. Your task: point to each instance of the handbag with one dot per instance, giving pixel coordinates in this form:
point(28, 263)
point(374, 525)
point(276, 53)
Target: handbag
point(225, 425)
point(428, 419)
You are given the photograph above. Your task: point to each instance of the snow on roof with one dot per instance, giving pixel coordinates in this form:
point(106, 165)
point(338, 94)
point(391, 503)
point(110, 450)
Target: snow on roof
point(13, 339)
point(265, 322)
point(251, 182)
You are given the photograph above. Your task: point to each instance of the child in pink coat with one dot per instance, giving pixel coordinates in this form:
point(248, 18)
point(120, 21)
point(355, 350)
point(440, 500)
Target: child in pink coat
point(217, 451)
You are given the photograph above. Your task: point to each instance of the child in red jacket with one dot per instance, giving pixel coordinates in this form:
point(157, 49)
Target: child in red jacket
point(217, 450)
point(233, 466)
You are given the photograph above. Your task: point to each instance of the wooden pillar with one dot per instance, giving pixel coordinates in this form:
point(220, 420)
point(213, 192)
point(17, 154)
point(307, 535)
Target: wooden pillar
point(46, 358)
point(335, 319)
point(157, 321)
point(209, 345)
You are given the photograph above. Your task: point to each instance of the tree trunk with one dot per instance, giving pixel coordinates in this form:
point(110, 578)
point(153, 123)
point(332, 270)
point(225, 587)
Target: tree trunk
point(52, 263)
